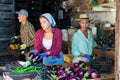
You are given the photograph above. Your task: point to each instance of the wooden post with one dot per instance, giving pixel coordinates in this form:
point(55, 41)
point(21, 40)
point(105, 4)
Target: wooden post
point(117, 42)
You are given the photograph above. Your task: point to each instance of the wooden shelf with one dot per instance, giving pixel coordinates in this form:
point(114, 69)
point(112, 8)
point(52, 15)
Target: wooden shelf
point(108, 28)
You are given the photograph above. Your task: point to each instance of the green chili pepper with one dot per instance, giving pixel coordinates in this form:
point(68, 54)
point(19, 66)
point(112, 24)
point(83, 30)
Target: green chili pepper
point(39, 68)
point(17, 69)
point(29, 69)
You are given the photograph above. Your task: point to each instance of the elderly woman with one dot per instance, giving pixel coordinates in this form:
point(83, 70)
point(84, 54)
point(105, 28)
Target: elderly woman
point(48, 41)
point(82, 41)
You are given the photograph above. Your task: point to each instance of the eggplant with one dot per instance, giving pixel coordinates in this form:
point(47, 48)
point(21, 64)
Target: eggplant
point(76, 69)
point(95, 75)
point(62, 67)
point(58, 72)
point(71, 74)
point(81, 73)
point(70, 67)
point(88, 72)
point(76, 65)
point(82, 65)
point(73, 78)
point(62, 75)
point(80, 62)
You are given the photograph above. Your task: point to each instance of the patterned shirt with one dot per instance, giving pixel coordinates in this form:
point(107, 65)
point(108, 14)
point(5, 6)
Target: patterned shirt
point(27, 33)
point(56, 42)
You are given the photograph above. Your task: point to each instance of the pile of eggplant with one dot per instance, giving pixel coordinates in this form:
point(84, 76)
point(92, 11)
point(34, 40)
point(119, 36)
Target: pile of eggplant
point(77, 71)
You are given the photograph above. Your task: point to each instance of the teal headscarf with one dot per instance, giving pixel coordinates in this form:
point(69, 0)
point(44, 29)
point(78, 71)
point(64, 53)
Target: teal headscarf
point(50, 18)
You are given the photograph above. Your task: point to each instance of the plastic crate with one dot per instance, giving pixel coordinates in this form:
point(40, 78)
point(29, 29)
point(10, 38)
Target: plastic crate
point(102, 64)
point(21, 75)
point(6, 59)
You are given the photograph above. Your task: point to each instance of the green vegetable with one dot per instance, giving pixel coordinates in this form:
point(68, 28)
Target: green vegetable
point(27, 69)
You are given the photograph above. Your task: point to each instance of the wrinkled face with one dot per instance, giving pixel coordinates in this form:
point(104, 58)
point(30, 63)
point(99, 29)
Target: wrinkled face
point(21, 18)
point(45, 24)
point(84, 24)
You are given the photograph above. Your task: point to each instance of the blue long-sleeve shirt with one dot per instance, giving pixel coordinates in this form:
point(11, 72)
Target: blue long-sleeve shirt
point(81, 44)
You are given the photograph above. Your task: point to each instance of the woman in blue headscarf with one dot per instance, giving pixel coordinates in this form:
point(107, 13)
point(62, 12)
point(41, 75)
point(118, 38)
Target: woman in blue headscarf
point(48, 41)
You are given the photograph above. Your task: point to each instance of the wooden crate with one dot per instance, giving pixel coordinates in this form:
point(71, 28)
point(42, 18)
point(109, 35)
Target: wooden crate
point(7, 15)
point(109, 53)
point(6, 1)
point(107, 77)
point(6, 7)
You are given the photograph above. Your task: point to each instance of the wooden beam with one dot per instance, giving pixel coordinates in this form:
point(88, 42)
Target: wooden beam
point(117, 42)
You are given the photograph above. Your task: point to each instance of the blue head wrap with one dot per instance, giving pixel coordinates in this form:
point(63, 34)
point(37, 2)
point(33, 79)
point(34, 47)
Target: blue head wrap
point(50, 18)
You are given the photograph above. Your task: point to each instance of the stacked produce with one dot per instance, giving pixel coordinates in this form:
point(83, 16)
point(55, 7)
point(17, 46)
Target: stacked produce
point(18, 72)
point(27, 69)
point(107, 39)
point(15, 43)
point(79, 71)
point(14, 46)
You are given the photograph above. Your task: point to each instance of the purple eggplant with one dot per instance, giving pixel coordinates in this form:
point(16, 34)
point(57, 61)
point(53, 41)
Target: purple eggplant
point(70, 67)
point(76, 65)
point(62, 67)
point(73, 78)
point(71, 74)
point(82, 65)
point(62, 75)
point(88, 73)
point(58, 72)
point(95, 75)
point(81, 73)
point(80, 62)
point(76, 69)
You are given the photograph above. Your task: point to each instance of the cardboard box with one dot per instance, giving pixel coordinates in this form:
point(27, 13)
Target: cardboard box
point(68, 58)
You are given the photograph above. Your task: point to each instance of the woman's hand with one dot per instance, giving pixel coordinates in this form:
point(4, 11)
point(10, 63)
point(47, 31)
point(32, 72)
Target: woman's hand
point(48, 53)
